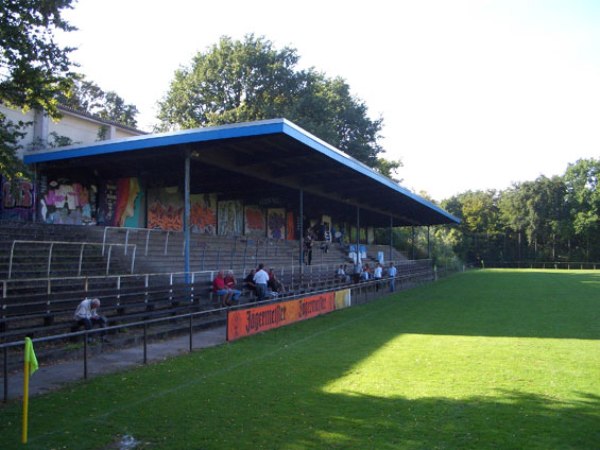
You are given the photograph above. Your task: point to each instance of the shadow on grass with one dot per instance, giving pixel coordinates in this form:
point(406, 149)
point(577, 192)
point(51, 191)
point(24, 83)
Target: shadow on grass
point(268, 391)
point(517, 421)
point(318, 420)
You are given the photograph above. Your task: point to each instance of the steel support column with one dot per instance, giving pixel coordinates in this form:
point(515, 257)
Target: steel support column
point(186, 216)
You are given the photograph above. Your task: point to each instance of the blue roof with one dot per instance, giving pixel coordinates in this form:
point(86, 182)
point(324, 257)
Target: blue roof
point(225, 132)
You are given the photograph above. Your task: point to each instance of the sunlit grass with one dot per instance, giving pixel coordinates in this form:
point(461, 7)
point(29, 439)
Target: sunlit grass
point(491, 359)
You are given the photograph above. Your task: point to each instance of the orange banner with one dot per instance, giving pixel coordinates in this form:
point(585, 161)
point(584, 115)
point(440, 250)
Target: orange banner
point(245, 322)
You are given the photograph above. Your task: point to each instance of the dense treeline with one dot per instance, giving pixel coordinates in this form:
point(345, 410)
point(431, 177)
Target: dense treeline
point(549, 219)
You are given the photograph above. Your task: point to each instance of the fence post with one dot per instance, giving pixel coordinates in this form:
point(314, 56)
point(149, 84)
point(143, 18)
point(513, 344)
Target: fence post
point(104, 239)
point(119, 290)
point(126, 241)
point(50, 258)
point(108, 260)
point(85, 352)
point(5, 374)
point(145, 342)
point(80, 259)
point(191, 332)
point(133, 259)
point(146, 289)
point(192, 287)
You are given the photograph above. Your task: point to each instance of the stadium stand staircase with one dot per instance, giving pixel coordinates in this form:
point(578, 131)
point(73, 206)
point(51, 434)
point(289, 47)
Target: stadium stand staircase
point(45, 270)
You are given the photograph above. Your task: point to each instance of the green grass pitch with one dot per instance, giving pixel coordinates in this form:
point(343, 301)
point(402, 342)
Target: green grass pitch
point(495, 359)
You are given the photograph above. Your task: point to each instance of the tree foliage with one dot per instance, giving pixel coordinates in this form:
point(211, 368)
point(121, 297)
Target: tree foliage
point(85, 95)
point(237, 81)
point(548, 219)
point(33, 68)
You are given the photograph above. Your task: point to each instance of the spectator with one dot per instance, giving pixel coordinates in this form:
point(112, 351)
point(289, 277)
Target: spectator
point(227, 294)
point(338, 236)
point(249, 282)
point(392, 272)
point(308, 244)
point(366, 273)
point(377, 275)
point(341, 274)
point(274, 284)
point(230, 280)
point(356, 274)
point(86, 314)
point(261, 278)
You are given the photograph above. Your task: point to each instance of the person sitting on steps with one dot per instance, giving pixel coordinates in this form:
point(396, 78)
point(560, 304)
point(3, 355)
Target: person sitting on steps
point(86, 315)
point(227, 294)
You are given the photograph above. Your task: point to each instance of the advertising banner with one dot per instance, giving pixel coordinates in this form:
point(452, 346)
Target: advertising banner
point(343, 299)
point(245, 322)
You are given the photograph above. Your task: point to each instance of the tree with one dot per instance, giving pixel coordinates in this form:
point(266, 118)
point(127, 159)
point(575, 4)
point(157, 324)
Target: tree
point(583, 196)
point(33, 68)
point(87, 96)
point(236, 81)
point(478, 233)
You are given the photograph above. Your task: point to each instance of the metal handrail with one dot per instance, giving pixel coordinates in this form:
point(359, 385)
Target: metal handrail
point(127, 231)
point(86, 279)
point(4, 347)
point(51, 248)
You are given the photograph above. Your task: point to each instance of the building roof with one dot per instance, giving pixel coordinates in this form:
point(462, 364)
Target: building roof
point(259, 157)
point(89, 116)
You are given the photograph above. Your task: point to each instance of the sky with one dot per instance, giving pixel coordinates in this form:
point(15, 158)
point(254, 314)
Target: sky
point(474, 95)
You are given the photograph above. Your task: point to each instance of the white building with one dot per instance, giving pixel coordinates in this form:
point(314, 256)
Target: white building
point(78, 127)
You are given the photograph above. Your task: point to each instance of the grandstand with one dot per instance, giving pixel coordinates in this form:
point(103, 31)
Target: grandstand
point(103, 218)
point(136, 273)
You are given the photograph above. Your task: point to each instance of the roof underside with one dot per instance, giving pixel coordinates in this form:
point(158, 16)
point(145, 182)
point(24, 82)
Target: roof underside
point(258, 160)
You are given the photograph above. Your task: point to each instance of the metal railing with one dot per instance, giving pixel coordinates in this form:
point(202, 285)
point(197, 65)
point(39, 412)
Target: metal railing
point(558, 265)
point(361, 293)
point(52, 244)
point(117, 280)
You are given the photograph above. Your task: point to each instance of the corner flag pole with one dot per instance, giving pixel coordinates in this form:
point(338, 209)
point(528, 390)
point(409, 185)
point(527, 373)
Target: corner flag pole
point(29, 367)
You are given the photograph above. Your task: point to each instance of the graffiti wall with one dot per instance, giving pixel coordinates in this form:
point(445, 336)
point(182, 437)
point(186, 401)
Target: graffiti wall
point(276, 223)
point(63, 201)
point(290, 226)
point(203, 213)
point(165, 209)
point(255, 221)
point(117, 201)
point(17, 200)
point(230, 218)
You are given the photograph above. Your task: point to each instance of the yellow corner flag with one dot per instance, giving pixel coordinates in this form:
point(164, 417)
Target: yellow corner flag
point(30, 366)
point(30, 359)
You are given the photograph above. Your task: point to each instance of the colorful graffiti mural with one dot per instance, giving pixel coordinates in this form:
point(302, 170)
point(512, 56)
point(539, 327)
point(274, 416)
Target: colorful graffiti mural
point(276, 223)
point(127, 191)
point(230, 218)
point(165, 209)
point(290, 226)
point(203, 213)
point(63, 201)
point(17, 200)
point(117, 200)
point(254, 221)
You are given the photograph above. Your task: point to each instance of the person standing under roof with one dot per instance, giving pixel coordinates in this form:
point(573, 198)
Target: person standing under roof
point(392, 272)
point(261, 279)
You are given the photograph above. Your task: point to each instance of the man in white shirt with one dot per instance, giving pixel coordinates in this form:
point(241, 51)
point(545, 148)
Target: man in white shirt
point(86, 314)
point(392, 272)
point(377, 274)
point(261, 279)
